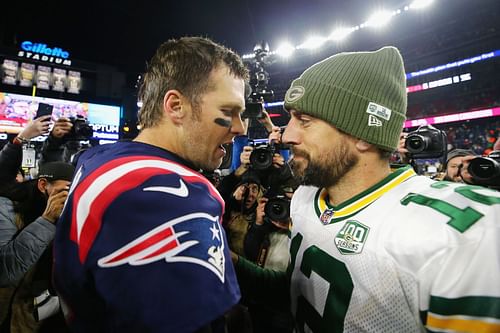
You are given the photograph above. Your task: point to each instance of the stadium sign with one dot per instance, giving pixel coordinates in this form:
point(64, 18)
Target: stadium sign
point(41, 52)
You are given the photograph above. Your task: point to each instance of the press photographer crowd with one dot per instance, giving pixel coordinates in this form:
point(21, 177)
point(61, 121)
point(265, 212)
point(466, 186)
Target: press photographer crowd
point(214, 219)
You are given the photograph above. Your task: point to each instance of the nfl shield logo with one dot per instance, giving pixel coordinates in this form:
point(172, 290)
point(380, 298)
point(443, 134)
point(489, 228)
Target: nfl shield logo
point(326, 216)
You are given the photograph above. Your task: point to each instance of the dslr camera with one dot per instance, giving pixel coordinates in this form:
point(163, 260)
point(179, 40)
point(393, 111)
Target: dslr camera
point(426, 142)
point(261, 157)
point(81, 129)
point(278, 205)
point(486, 170)
point(278, 208)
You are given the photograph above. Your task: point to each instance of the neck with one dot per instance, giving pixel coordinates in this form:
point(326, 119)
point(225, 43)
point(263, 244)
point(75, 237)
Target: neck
point(363, 176)
point(157, 136)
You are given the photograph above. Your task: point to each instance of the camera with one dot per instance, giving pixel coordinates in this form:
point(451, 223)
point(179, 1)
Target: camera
point(486, 170)
point(81, 129)
point(426, 142)
point(278, 208)
point(261, 157)
point(259, 79)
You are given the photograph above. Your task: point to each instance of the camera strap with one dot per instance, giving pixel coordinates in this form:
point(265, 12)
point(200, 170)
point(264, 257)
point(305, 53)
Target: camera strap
point(263, 251)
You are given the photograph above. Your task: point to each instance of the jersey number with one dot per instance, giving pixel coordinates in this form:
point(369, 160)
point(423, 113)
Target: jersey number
point(460, 219)
point(339, 292)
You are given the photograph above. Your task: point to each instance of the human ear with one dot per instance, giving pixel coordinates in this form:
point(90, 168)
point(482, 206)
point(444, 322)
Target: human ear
point(42, 184)
point(362, 145)
point(173, 106)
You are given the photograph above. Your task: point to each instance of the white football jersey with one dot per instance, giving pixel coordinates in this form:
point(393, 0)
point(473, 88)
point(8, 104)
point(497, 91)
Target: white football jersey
point(406, 255)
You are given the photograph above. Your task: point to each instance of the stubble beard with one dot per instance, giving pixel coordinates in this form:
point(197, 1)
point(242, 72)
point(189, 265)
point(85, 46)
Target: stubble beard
point(326, 171)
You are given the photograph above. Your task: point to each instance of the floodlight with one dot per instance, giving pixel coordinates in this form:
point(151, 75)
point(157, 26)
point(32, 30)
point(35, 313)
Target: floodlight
point(340, 33)
point(379, 19)
point(419, 4)
point(285, 50)
point(312, 43)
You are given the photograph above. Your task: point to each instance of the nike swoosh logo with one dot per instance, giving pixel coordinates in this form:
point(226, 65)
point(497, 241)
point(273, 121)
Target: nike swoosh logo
point(181, 191)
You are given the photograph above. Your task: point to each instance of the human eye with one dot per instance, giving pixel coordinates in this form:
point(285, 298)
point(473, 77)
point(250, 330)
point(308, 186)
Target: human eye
point(227, 113)
point(304, 119)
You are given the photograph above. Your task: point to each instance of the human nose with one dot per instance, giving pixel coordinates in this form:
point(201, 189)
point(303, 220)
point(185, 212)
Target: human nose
point(237, 127)
point(291, 134)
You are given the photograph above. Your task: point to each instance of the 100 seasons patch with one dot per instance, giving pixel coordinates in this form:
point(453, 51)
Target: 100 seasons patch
point(352, 237)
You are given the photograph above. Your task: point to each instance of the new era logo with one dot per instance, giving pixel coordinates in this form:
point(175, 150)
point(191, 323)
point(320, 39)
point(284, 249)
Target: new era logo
point(374, 121)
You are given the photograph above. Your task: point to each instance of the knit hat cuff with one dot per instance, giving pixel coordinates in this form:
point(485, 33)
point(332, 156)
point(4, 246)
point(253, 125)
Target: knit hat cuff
point(348, 111)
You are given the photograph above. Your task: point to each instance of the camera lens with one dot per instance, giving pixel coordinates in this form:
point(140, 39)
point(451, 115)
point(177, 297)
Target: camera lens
point(261, 158)
point(278, 209)
point(415, 143)
point(483, 168)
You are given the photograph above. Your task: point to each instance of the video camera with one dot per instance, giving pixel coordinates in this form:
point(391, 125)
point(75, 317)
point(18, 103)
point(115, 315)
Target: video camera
point(486, 170)
point(426, 142)
point(81, 129)
point(259, 79)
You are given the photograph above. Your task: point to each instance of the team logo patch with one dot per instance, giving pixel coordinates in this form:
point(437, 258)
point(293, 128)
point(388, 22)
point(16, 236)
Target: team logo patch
point(352, 237)
point(194, 238)
point(294, 94)
point(379, 111)
point(326, 216)
point(374, 121)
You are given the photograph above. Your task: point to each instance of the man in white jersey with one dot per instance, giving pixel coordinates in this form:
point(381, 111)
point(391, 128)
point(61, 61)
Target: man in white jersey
point(374, 250)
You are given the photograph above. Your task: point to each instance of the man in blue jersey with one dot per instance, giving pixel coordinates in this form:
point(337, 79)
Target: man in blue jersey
point(374, 250)
point(140, 247)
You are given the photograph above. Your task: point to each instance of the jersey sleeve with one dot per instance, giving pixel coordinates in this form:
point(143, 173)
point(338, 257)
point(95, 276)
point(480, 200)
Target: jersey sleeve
point(460, 285)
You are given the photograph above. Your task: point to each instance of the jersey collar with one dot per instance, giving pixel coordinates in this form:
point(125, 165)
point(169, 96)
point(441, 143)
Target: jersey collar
point(328, 213)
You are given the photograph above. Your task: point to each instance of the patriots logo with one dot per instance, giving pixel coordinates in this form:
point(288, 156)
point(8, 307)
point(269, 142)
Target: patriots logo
point(194, 238)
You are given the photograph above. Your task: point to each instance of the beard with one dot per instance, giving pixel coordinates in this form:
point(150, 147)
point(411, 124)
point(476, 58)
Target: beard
point(325, 171)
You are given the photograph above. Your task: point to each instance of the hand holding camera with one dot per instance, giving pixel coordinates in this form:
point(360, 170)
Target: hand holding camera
point(61, 128)
point(240, 192)
point(55, 204)
point(37, 127)
point(245, 155)
point(260, 212)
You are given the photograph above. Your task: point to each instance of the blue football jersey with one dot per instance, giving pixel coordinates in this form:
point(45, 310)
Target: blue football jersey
point(139, 246)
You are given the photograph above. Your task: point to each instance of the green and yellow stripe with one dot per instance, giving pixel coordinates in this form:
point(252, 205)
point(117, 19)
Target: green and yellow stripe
point(478, 314)
point(362, 200)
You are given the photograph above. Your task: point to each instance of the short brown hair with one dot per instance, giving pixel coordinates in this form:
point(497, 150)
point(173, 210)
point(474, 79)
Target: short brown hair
point(183, 64)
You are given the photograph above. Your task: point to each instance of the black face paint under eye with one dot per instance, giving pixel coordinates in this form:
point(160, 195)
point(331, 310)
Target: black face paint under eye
point(222, 122)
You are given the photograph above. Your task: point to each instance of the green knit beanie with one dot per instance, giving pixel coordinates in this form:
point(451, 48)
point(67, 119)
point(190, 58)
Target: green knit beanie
point(360, 93)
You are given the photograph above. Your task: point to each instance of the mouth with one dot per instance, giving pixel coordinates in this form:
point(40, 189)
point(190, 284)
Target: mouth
point(223, 148)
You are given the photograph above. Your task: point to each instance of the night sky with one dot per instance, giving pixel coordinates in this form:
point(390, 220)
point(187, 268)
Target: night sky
point(126, 33)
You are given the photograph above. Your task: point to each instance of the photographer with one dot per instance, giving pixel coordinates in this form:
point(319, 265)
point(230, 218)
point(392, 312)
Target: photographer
point(266, 244)
point(27, 228)
point(64, 140)
point(53, 147)
point(11, 156)
point(456, 165)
